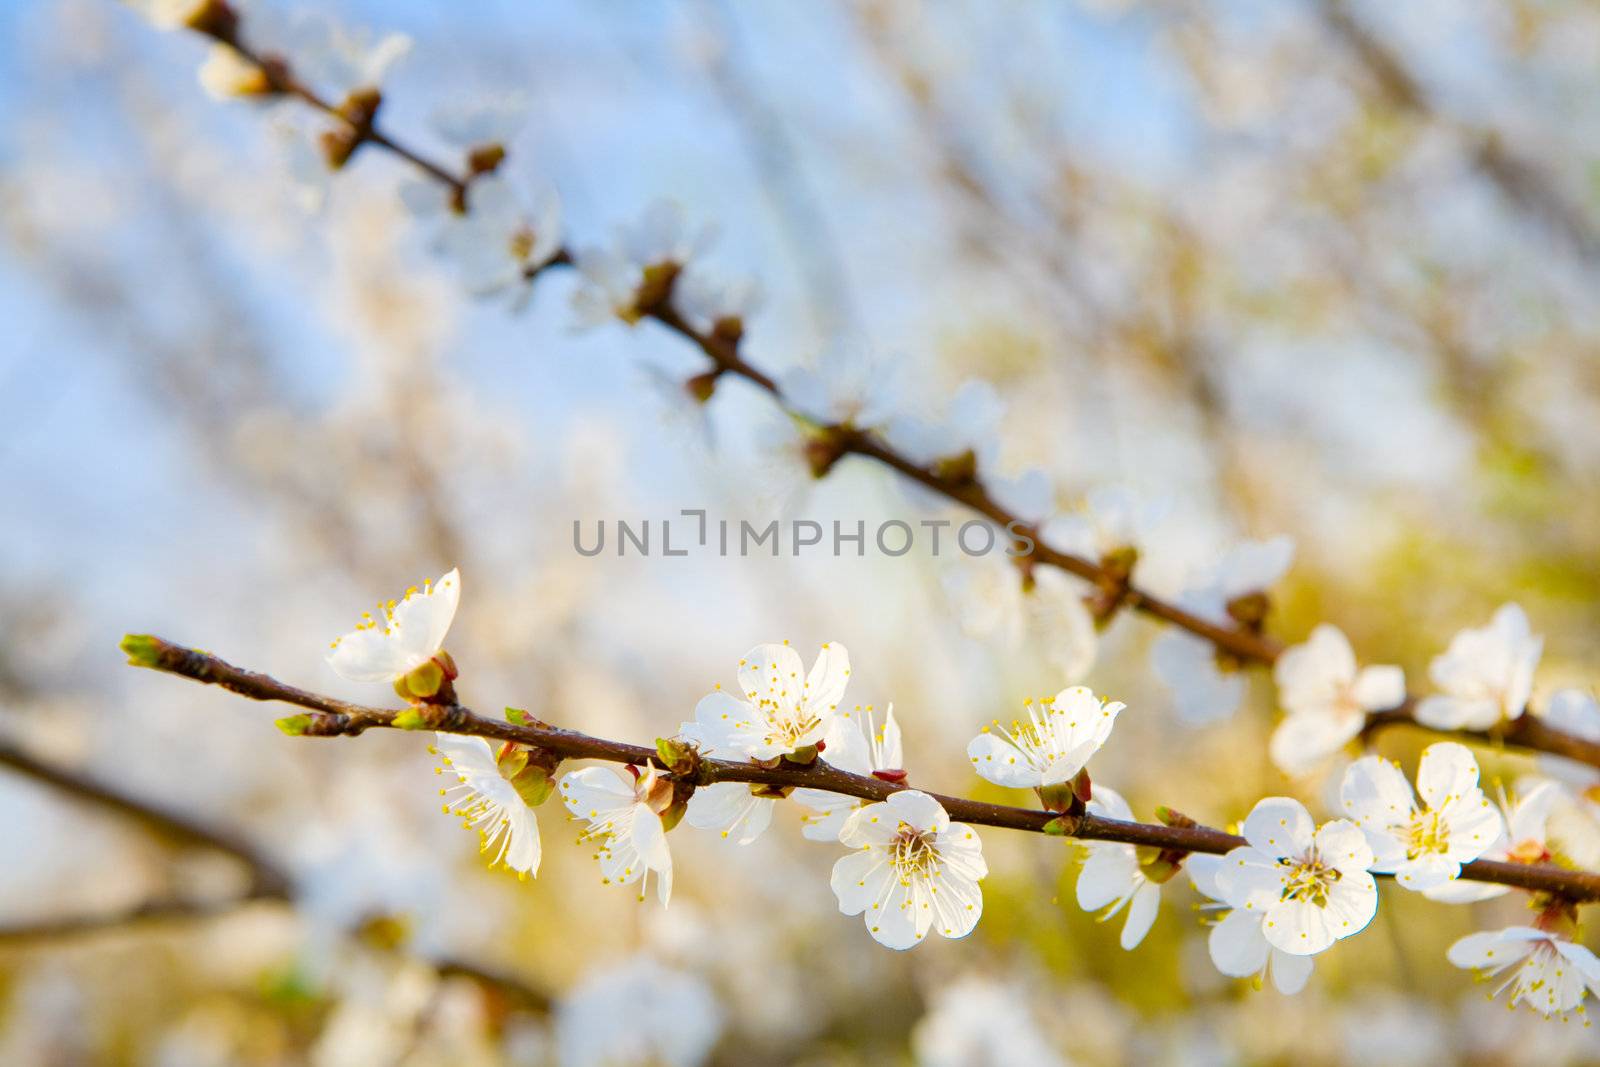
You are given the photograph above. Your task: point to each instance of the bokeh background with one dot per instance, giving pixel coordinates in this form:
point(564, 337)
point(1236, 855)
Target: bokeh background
point(1313, 267)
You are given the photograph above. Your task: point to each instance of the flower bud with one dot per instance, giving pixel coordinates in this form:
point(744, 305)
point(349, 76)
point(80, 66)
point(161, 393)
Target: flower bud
point(703, 386)
point(804, 756)
point(679, 757)
point(530, 770)
point(959, 469)
point(655, 285)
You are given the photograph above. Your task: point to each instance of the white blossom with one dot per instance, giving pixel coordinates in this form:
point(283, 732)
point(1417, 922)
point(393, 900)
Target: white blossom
point(1051, 746)
point(978, 1022)
point(1111, 520)
point(1425, 846)
point(227, 75)
point(334, 57)
point(1237, 945)
point(780, 713)
point(1575, 712)
point(1524, 838)
point(487, 802)
point(1202, 690)
point(1327, 698)
point(706, 299)
point(1550, 974)
point(993, 604)
point(971, 421)
point(855, 743)
point(637, 1012)
point(1309, 884)
point(613, 278)
point(622, 808)
point(781, 708)
point(1113, 877)
point(914, 871)
point(409, 634)
point(505, 235)
point(1486, 675)
point(848, 383)
point(481, 121)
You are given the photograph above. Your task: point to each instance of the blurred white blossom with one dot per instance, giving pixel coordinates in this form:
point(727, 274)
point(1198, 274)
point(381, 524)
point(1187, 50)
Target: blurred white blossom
point(1486, 675)
point(979, 1022)
point(1327, 698)
point(638, 1012)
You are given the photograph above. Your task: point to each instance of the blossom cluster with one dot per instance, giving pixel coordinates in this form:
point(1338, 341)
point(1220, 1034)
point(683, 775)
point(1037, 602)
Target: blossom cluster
point(1290, 892)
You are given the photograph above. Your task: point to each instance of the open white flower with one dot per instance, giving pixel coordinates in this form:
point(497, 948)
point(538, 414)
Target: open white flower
point(914, 871)
point(1422, 847)
point(1310, 885)
point(1523, 839)
point(1113, 876)
point(783, 708)
point(739, 812)
point(409, 635)
point(1552, 974)
point(1236, 944)
point(1051, 746)
point(855, 743)
point(779, 714)
point(488, 803)
point(1486, 675)
point(623, 810)
point(1327, 698)
point(503, 237)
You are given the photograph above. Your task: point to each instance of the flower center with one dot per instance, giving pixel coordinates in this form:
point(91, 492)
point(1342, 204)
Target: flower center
point(913, 855)
point(1309, 879)
point(522, 241)
point(1426, 834)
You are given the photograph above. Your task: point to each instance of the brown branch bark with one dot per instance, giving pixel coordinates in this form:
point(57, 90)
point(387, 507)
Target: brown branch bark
point(338, 718)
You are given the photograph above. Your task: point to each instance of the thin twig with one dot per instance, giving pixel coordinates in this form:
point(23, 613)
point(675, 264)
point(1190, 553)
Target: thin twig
point(339, 718)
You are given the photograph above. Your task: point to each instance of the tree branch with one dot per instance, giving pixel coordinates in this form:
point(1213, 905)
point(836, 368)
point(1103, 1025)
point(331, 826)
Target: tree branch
point(1241, 644)
point(338, 718)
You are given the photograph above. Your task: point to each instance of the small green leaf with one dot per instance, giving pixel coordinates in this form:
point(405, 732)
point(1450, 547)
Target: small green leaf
point(295, 725)
point(410, 719)
point(142, 650)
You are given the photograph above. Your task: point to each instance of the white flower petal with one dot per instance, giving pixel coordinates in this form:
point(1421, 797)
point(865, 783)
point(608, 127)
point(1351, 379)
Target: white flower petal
point(1279, 826)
